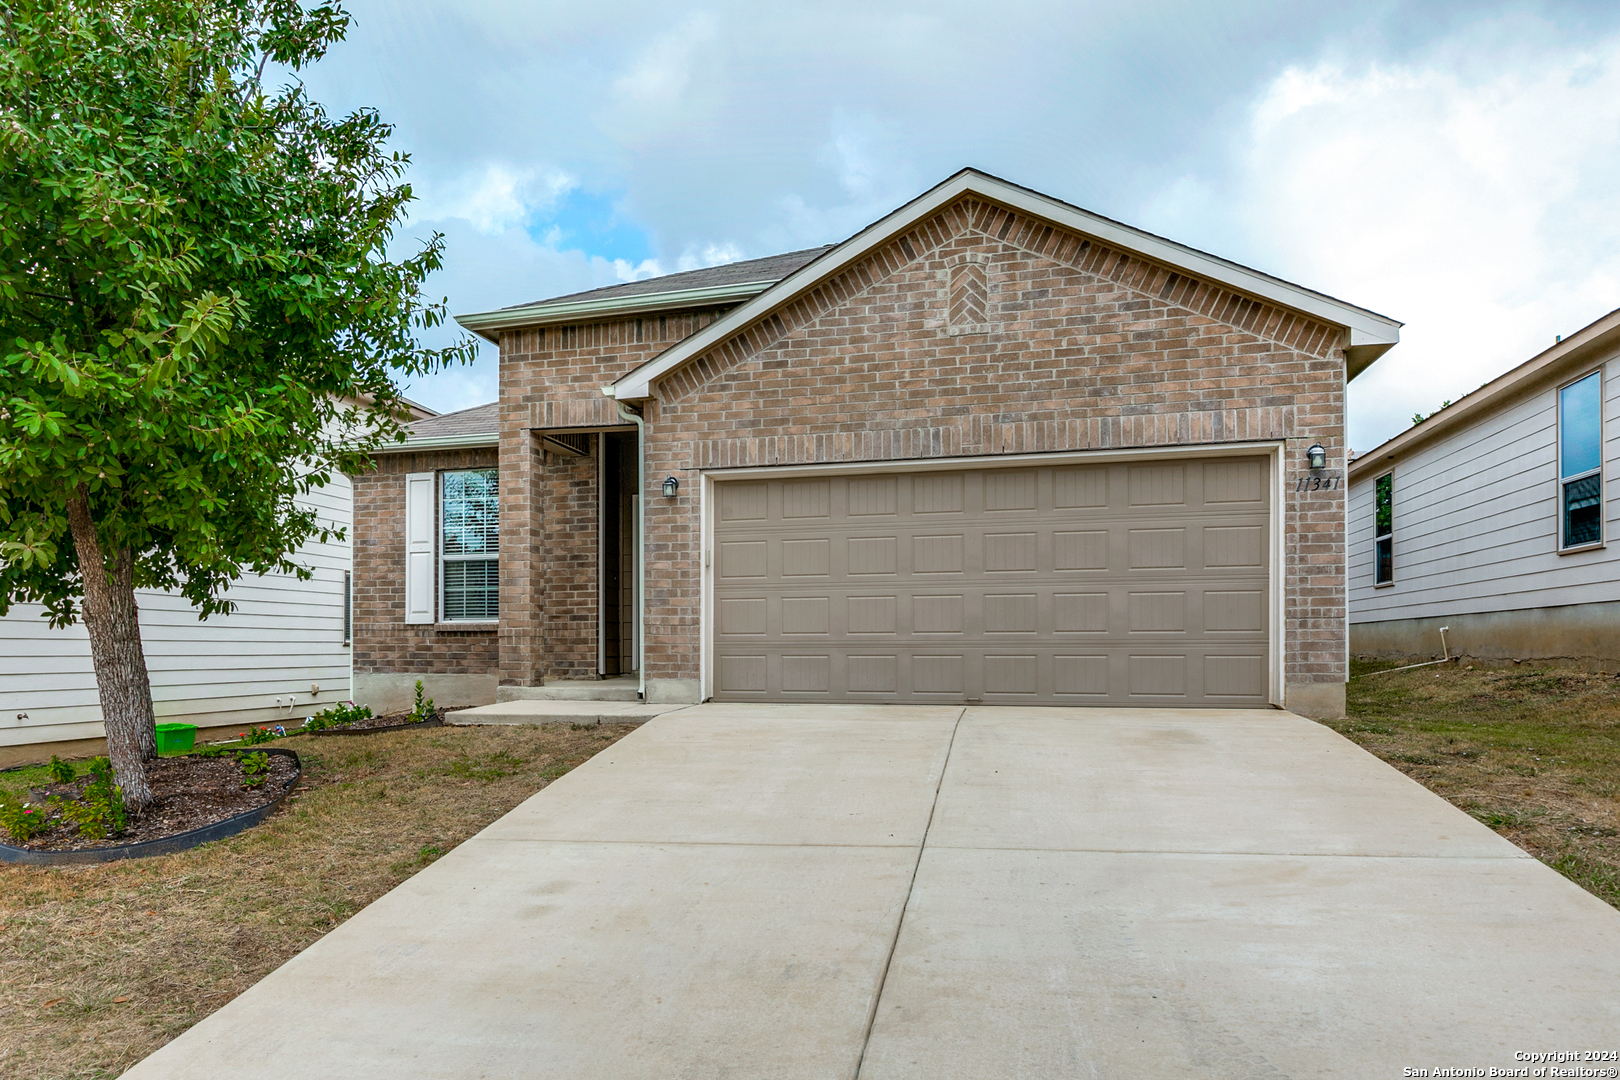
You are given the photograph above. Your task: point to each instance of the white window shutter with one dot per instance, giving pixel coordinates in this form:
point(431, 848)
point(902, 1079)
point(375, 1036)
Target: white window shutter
point(419, 576)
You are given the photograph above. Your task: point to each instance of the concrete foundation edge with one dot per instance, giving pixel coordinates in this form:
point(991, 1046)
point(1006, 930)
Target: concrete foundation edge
point(387, 692)
point(674, 691)
point(1319, 700)
point(1585, 635)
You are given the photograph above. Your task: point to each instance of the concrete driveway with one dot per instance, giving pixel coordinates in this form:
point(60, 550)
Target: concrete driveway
point(886, 892)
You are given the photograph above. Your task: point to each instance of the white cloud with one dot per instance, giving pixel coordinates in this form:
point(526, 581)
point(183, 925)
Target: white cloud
point(1469, 192)
point(696, 258)
point(1404, 154)
point(624, 270)
point(656, 82)
point(496, 197)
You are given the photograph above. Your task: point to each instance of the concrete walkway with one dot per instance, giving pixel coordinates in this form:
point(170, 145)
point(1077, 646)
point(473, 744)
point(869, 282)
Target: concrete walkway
point(886, 892)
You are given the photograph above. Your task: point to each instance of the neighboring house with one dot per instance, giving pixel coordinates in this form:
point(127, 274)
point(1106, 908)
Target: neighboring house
point(993, 448)
point(1491, 518)
point(281, 655)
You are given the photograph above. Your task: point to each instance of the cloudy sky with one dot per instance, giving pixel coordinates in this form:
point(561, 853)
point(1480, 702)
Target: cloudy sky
point(1452, 165)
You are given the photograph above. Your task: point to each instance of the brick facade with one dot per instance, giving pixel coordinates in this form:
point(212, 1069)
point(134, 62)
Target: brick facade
point(383, 642)
point(553, 378)
point(980, 331)
point(1086, 347)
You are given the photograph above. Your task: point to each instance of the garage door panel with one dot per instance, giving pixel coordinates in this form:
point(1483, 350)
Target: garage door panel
point(1009, 553)
point(938, 553)
point(937, 613)
point(873, 555)
point(1240, 676)
point(937, 493)
point(1235, 611)
point(744, 501)
point(744, 559)
point(1234, 546)
point(1009, 490)
point(1158, 675)
point(1080, 613)
point(1128, 584)
point(1135, 609)
point(1235, 480)
point(1158, 612)
point(1080, 487)
point(746, 616)
point(1080, 549)
point(1056, 674)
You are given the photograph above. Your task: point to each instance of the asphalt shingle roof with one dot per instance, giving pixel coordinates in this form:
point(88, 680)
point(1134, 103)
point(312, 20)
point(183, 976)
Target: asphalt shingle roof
point(478, 420)
point(770, 268)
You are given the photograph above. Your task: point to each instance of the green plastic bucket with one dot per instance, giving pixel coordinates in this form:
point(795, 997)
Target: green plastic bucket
point(176, 738)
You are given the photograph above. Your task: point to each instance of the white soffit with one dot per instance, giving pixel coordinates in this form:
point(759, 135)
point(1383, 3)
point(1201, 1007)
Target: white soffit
point(1371, 334)
point(441, 442)
point(488, 324)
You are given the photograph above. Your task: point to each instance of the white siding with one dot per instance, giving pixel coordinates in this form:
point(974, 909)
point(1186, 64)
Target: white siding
point(285, 636)
point(1476, 520)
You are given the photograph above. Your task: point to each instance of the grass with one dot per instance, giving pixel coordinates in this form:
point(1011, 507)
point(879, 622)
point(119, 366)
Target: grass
point(101, 965)
point(1531, 751)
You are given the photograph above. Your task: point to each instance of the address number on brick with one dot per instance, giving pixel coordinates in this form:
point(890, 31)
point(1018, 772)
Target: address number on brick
point(1317, 483)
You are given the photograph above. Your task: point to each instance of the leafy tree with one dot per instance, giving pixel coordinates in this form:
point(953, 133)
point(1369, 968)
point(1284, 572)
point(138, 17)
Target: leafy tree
point(195, 293)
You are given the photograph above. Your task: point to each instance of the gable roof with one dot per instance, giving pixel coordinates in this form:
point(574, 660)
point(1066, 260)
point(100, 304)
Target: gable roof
point(691, 288)
point(1371, 334)
point(477, 426)
point(1565, 359)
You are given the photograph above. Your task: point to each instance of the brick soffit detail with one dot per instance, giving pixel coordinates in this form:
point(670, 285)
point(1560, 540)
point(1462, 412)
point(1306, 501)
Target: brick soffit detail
point(1145, 277)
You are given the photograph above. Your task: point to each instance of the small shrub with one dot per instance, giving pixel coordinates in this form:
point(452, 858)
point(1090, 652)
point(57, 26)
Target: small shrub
point(255, 769)
point(344, 712)
point(60, 771)
point(253, 736)
point(423, 709)
point(99, 810)
point(22, 820)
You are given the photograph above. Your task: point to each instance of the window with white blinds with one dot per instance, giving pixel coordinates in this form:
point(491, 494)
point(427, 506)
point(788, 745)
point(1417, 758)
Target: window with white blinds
point(469, 546)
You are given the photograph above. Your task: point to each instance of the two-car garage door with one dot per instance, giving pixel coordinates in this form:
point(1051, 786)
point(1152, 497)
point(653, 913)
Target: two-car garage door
point(1122, 584)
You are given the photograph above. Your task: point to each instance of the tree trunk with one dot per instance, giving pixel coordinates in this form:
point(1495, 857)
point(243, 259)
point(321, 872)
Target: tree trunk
point(114, 625)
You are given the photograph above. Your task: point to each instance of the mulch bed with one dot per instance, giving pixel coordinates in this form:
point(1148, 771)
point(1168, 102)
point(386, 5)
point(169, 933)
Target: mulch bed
point(188, 793)
point(389, 722)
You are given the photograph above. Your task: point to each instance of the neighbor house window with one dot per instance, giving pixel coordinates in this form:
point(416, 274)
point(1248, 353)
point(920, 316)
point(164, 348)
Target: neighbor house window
point(470, 542)
point(1384, 530)
point(1580, 461)
point(348, 607)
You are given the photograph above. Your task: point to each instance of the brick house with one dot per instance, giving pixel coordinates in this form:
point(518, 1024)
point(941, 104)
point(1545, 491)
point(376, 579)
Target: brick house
point(992, 448)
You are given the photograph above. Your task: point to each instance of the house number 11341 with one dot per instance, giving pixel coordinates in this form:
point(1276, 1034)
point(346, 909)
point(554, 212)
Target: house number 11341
point(1317, 483)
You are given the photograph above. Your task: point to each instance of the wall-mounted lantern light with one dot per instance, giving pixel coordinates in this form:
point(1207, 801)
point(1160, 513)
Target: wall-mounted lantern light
point(1315, 455)
point(671, 486)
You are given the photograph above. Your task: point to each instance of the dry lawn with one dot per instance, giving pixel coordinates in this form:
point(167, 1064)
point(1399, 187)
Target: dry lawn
point(1533, 752)
point(100, 966)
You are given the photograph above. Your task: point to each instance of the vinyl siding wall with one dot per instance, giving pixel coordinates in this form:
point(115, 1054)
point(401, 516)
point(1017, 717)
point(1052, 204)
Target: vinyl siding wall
point(254, 666)
point(1476, 519)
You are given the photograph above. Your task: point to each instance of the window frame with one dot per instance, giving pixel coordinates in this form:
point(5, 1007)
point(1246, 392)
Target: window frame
point(1562, 481)
point(442, 557)
point(1380, 539)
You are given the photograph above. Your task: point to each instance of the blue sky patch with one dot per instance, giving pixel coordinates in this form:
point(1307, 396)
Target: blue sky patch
point(592, 223)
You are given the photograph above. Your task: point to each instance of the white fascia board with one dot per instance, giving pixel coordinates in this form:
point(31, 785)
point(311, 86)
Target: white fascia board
point(442, 442)
point(1368, 330)
point(486, 323)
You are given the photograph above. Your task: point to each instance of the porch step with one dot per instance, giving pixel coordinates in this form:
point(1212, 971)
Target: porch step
point(622, 688)
point(561, 712)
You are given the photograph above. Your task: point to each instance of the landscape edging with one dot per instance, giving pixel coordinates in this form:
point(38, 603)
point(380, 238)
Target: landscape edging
point(166, 845)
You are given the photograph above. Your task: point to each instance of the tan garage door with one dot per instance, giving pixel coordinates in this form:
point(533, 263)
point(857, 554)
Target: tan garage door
point(1125, 584)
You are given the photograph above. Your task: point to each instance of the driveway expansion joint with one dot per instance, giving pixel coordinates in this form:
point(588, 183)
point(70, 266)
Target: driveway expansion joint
point(899, 924)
